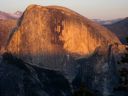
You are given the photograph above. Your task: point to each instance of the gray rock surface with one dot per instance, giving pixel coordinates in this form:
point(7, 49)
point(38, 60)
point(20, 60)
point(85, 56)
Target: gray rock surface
point(18, 78)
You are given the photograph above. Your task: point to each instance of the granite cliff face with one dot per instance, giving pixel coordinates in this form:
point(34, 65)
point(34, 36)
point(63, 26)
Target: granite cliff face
point(49, 32)
point(100, 71)
point(22, 79)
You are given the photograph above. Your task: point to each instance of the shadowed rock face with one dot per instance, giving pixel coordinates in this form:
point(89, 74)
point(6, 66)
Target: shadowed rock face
point(21, 79)
point(100, 71)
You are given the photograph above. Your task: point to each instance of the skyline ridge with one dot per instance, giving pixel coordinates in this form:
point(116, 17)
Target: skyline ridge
point(103, 9)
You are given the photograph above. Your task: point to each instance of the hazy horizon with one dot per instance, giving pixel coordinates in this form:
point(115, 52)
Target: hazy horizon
point(98, 9)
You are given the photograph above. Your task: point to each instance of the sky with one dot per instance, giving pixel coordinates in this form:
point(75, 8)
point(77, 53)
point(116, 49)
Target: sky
point(93, 9)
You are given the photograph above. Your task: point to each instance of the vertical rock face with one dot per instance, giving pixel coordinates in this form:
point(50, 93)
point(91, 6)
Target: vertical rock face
point(50, 32)
point(50, 36)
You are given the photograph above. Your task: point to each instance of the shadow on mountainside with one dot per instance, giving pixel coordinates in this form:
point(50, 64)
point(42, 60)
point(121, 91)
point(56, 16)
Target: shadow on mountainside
point(20, 78)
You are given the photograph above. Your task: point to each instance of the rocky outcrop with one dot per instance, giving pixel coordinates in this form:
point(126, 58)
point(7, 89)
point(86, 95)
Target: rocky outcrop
point(50, 37)
point(100, 71)
point(21, 79)
point(57, 28)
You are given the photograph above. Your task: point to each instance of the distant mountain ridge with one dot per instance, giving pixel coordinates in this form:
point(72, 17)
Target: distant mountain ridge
point(4, 15)
point(6, 25)
point(120, 28)
point(107, 22)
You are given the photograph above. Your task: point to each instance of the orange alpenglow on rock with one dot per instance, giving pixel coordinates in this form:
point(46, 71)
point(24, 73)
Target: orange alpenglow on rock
point(5, 27)
point(51, 34)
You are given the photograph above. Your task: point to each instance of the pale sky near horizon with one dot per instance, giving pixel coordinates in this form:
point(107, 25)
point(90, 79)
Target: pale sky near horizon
point(95, 9)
